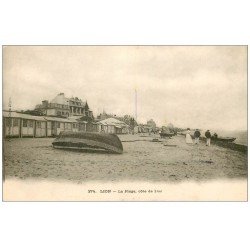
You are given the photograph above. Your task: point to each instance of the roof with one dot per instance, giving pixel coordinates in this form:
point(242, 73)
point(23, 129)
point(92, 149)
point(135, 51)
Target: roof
point(57, 119)
point(113, 121)
point(74, 117)
point(37, 118)
point(23, 116)
point(60, 99)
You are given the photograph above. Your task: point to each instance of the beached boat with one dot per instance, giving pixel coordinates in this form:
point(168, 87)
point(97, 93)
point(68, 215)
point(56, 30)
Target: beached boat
point(89, 141)
point(223, 139)
point(166, 134)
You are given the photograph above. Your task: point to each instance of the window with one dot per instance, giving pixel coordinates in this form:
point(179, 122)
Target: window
point(74, 126)
point(38, 124)
point(30, 124)
point(58, 124)
point(15, 122)
point(25, 123)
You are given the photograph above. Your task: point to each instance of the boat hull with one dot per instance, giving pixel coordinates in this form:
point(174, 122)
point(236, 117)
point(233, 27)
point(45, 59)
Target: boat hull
point(165, 135)
point(89, 141)
point(226, 139)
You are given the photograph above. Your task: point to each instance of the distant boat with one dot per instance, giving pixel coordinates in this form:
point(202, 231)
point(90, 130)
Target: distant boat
point(223, 139)
point(89, 141)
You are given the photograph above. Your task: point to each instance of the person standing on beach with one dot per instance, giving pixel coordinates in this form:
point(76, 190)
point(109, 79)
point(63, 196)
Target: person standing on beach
point(208, 136)
point(188, 137)
point(197, 135)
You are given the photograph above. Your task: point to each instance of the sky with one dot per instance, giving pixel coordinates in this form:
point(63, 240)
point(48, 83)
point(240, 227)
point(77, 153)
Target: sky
point(189, 86)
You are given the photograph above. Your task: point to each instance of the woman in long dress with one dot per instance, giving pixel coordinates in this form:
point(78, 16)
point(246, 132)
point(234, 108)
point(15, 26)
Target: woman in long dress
point(189, 139)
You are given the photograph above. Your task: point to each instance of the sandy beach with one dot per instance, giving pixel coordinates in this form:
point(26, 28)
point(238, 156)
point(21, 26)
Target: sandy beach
point(141, 161)
point(169, 161)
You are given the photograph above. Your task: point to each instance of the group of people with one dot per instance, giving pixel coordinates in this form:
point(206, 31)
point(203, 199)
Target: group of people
point(197, 135)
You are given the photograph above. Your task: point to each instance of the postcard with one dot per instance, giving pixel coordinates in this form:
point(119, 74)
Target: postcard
point(125, 123)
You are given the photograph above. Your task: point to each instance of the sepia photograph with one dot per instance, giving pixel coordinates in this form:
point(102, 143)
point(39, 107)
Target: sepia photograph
point(125, 123)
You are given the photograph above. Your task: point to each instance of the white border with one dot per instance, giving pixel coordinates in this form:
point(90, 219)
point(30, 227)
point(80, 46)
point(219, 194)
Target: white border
point(124, 225)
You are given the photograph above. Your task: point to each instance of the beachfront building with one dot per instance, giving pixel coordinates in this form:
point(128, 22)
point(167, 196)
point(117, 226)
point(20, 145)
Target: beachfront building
point(23, 125)
point(112, 126)
point(16, 124)
point(129, 120)
point(62, 106)
point(104, 115)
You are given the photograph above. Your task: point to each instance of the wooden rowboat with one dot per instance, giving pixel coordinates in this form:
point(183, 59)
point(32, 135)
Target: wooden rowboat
point(223, 139)
point(89, 141)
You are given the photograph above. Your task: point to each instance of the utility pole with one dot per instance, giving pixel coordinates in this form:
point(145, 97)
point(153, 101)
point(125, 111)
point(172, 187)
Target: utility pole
point(9, 133)
point(9, 115)
point(135, 104)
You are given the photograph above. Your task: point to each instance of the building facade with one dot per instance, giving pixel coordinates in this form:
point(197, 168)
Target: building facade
point(62, 106)
point(20, 125)
point(112, 126)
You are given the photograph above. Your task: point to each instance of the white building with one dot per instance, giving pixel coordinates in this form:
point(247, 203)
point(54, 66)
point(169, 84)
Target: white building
point(65, 107)
point(113, 126)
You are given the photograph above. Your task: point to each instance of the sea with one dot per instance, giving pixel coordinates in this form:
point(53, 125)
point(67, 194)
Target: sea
point(241, 136)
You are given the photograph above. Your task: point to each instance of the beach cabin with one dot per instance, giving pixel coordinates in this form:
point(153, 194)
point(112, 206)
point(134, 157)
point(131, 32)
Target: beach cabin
point(11, 126)
point(23, 125)
point(67, 126)
point(52, 126)
point(75, 127)
point(76, 124)
point(112, 126)
point(27, 127)
point(55, 125)
point(82, 126)
point(118, 129)
point(95, 127)
point(40, 127)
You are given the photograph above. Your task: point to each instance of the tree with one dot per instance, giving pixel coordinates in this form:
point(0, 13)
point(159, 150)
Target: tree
point(33, 112)
point(151, 123)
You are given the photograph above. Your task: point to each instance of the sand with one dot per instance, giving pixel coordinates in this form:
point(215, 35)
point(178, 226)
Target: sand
point(170, 161)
